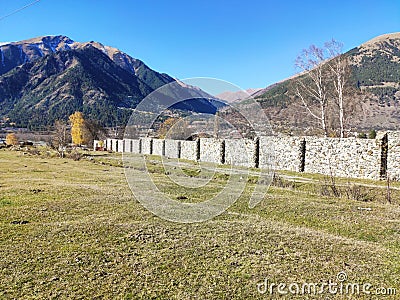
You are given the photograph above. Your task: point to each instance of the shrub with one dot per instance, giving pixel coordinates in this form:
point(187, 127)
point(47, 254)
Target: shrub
point(358, 193)
point(75, 155)
point(33, 151)
point(280, 182)
point(362, 135)
point(372, 134)
point(329, 188)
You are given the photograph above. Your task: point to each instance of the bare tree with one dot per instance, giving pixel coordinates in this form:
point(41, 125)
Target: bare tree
point(60, 137)
point(313, 85)
point(325, 79)
point(340, 70)
point(95, 131)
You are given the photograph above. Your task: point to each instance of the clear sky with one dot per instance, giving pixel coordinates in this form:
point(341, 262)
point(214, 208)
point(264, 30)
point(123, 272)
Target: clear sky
point(249, 43)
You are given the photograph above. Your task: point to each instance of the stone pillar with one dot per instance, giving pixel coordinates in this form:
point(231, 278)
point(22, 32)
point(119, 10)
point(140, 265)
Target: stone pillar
point(179, 149)
point(256, 154)
point(151, 146)
point(302, 155)
point(198, 149)
point(384, 156)
point(222, 152)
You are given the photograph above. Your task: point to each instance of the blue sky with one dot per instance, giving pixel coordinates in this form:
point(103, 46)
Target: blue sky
point(248, 43)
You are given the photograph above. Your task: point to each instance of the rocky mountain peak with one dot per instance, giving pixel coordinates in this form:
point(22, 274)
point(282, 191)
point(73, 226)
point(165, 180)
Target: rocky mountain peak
point(13, 54)
point(47, 78)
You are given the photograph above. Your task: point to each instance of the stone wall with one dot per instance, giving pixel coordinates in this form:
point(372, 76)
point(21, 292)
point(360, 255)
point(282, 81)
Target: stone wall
point(282, 152)
point(172, 148)
point(132, 145)
point(188, 150)
point(239, 152)
point(147, 145)
point(210, 150)
point(393, 162)
point(350, 157)
point(121, 145)
point(112, 144)
point(158, 147)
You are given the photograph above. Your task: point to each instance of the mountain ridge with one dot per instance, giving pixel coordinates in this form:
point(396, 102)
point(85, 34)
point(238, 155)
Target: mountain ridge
point(236, 96)
point(375, 76)
point(52, 76)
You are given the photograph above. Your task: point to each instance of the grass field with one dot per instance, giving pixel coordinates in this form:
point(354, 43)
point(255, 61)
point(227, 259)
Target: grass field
point(72, 229)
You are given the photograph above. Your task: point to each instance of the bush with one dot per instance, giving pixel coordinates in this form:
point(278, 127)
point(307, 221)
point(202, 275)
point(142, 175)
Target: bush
point(280, 182)
point(362, 135)
point(358, 193)
point(372, 134)
point(33, 151)
point(75, 155)
point(329, 188)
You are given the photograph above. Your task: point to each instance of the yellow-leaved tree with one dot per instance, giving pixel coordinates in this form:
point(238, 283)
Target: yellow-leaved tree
point(175, 129)
point(166, 126)
point(11, 139)
point(79, 132)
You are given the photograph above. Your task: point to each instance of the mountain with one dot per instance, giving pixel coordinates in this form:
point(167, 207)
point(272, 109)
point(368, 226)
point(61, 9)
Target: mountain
point(230, 96)
point(48, 78)
point(375, 77)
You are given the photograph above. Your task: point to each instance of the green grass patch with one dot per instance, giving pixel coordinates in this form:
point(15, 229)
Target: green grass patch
point(72, 229)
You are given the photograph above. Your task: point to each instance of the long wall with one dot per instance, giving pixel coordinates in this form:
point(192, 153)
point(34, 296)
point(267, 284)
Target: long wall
point(350, 157)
